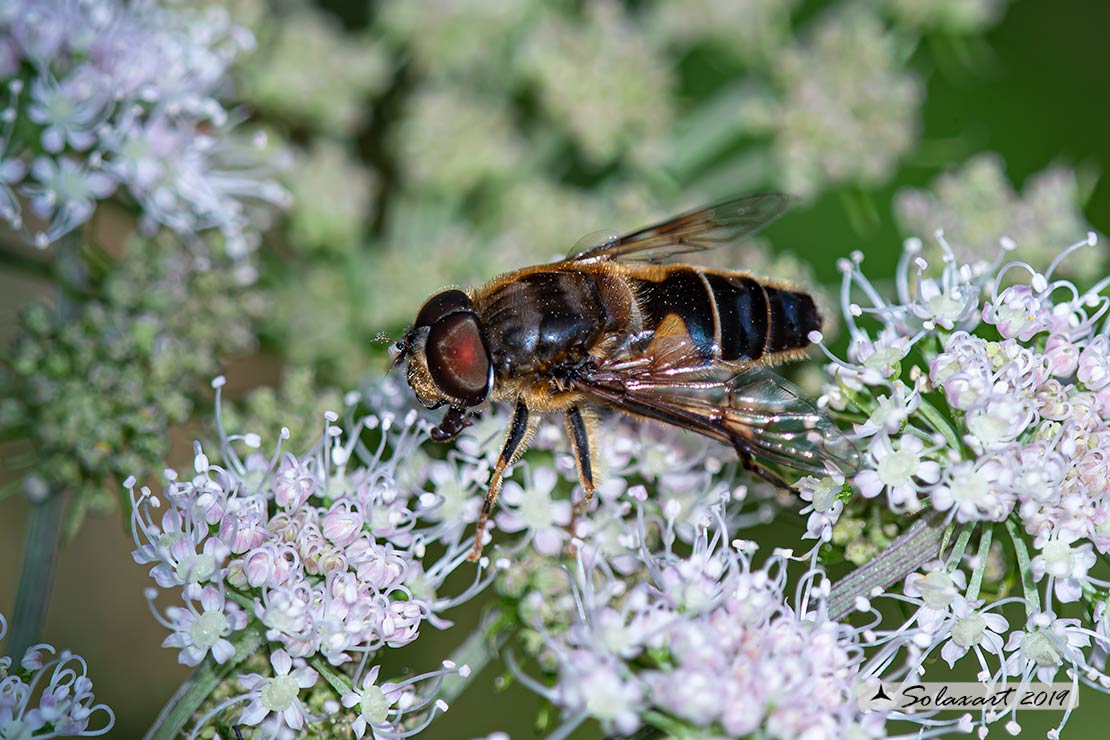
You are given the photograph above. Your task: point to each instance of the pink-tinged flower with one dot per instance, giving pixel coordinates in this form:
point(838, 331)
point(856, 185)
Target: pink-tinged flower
point(69, 113)
point(533, 510)
point(196, 632)
point(936, 591)
point(976, 492)
point(294, 483)
point(597, 684)
point(269, 564)
point(1062, 355)
point(343, 523)
point(1067, 565)
point(999, 420)
point(901, 471)
point(49, 695)
point(279, 694)
point(969, 627)
point(64, 192)
point(381, 708)
point(1019, 312)
point(1045, 646)
point(1093, 368)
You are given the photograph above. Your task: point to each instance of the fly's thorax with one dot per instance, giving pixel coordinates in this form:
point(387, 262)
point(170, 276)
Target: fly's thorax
point(542, 318)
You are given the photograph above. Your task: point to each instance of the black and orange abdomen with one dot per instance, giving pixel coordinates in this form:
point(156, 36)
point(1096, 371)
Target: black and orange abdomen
point(728, 316)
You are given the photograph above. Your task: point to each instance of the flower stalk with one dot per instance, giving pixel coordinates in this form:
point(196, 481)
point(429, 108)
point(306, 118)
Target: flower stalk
point(198, 687)
point(44, 523)
point(36, 578)
point(919, 544)
point(475, 652)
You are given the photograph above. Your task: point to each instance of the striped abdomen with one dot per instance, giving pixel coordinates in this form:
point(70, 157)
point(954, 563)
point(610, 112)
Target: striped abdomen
point(729, 316)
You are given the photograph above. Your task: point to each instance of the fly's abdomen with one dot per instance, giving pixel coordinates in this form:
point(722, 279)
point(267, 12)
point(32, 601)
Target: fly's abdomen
point(728, 316)
point(792, 316)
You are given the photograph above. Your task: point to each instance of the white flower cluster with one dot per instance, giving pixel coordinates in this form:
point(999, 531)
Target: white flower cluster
point(987, 391)
point(106, 95)
point(708, 642)
point(48, 694)
point(982, 391)
point(325, 554)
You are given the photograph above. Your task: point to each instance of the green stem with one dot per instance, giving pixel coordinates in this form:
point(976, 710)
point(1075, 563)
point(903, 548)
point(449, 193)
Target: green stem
point(960, 547)
point(339, 683)
point(980, 563)
point(934, 417)
point(1032, 596)
point(36, 579)
point(44, 525)
point(24, 263)
point(476, 652)
point(916, 546)
point(198, 687)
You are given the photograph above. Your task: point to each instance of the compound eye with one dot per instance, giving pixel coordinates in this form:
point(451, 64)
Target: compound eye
point(457, 359)
point(441, 305)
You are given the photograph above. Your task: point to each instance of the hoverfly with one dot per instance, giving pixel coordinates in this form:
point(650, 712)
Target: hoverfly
point(611, 326)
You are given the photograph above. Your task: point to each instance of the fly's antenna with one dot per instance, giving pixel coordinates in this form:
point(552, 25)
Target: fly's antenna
point(398, 351)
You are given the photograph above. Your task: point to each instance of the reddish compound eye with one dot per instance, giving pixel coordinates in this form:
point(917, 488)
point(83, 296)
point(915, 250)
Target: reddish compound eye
point(457, 358)
point(441, 305)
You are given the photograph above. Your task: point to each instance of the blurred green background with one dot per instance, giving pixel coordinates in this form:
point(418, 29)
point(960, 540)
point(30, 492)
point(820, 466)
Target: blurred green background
point(1033, 88)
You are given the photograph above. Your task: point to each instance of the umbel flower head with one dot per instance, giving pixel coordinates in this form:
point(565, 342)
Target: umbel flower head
point(323, 558)
point(981, 393)
point(107, 96)
point(985, 392)
point(708, 643)
point(96, 391)
point(48, 694)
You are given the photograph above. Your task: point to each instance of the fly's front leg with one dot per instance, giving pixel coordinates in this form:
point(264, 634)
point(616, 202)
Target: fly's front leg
point(579, 432)
point(516, 438)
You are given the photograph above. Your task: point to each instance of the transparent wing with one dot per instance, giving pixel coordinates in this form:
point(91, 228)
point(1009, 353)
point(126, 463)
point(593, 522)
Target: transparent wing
point(695, 231)
point(758, 413)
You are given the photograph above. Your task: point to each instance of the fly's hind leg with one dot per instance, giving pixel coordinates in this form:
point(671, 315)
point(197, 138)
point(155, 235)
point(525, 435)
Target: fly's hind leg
point(766, 474)
point(579, 432)
point(516, 438)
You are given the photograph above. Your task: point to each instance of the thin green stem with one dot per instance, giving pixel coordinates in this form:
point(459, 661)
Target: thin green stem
point(44, 525)
point(916, 546)
point(338, 682)
point(980, 562)
point(960, 547)
point(24, 263)
point(36, 579)
point(198, 687)
point(1032, 596)
point(476, 652)
point(934, 417)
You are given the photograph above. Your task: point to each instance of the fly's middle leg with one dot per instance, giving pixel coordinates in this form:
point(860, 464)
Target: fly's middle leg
point(516, 439)
point(579, 432)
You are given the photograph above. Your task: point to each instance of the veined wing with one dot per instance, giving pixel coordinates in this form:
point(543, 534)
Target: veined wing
point(696, 231)
point(764, 417)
